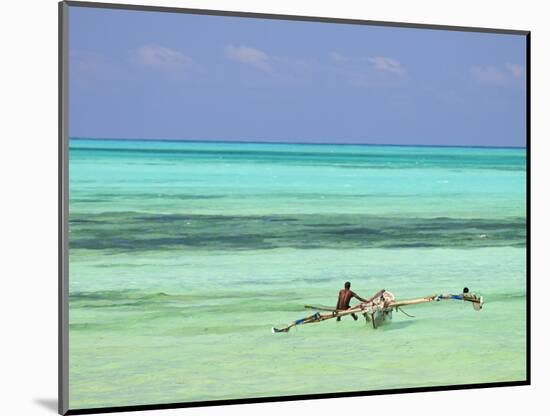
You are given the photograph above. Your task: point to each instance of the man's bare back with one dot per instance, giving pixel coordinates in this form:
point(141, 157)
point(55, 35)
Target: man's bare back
point(344, 297)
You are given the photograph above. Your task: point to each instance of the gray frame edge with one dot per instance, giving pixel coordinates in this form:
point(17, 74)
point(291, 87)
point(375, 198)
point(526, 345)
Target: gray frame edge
point(63, 201)
point(275, 16)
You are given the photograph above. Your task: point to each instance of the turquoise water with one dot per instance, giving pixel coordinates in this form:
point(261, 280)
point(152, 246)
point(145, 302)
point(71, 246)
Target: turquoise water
point(183, 255)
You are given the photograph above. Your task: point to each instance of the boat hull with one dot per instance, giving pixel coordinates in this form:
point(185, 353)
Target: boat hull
point(378, 313)
point(378, 317)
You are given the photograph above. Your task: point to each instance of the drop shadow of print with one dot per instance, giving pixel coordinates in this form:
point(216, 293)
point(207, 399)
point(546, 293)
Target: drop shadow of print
point(47, 403)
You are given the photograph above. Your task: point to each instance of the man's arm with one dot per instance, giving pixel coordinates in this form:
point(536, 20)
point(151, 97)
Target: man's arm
point(355, 295)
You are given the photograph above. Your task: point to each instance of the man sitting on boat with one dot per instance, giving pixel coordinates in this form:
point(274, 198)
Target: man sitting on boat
point(344, 297)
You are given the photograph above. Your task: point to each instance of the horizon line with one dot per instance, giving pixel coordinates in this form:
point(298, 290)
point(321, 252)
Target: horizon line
point(292, 142)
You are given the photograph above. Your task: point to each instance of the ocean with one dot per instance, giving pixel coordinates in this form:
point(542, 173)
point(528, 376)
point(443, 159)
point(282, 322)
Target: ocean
point(184, 255)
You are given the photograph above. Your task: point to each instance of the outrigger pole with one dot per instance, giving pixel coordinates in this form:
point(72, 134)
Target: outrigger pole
point(317, 317)
point(379, 302)
point(477, 302)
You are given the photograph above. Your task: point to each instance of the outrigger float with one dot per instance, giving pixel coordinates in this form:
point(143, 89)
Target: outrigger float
point(378, 309)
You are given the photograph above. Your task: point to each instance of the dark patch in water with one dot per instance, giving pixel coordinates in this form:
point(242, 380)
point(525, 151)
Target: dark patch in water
point(410, 245)
point(277, 219)
point(83, 221)
point(348, 231)
point(128, 231)
point(321, 225)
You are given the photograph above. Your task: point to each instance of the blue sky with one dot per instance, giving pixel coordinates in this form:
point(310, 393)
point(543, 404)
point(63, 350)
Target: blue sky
point(176, 76)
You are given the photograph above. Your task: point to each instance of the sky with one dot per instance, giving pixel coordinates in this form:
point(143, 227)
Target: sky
point(154, 75)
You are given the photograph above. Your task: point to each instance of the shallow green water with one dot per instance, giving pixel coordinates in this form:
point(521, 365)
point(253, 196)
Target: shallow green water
point(184, 255)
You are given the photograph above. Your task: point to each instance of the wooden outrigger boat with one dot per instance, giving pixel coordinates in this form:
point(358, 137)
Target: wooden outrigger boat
point(378, 309)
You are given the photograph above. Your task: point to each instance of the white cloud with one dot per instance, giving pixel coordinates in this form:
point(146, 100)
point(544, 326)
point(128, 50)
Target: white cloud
point(497, 75)
point(516, 70)
point(160, 57)
point(336, 57)
point(368, 72)
point(249, 56)
point(385, 64)
point(489, 75)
